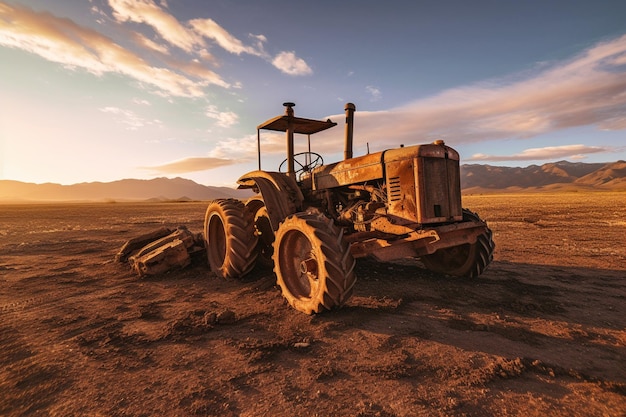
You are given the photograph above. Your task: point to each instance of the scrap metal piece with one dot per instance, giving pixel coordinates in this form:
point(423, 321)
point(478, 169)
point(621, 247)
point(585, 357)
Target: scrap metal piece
point(161, 250)
point(161, 259)
point(139, 242)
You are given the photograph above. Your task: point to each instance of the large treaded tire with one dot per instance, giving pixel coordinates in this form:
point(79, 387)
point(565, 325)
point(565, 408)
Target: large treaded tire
point(313, 264)
point(230, 239)
point(468, 260)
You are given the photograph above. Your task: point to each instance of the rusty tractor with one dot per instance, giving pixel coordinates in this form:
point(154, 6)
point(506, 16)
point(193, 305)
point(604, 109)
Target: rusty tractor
point(311, 220)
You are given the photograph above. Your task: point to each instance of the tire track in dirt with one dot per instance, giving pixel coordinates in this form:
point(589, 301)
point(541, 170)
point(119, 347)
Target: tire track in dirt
point(28, 383)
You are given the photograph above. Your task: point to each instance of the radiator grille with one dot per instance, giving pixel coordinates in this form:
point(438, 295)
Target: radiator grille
point(395, 192)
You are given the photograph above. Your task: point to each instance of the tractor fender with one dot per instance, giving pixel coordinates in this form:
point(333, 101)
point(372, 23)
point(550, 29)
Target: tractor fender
point(280, 193)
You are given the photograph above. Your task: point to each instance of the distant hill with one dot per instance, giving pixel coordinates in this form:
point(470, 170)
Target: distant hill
point(554, 176)
point(475, 178)
point(610, 175)
point(158, 189)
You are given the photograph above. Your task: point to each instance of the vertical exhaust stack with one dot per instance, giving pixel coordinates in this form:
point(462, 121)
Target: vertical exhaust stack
point(349, 108)
point(290, 148)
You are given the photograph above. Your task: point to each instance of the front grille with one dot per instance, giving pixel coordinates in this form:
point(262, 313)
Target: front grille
point(395, 191)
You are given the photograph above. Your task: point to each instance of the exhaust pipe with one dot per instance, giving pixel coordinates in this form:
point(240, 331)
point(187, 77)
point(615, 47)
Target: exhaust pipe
point(290, 149)
point(349, 108)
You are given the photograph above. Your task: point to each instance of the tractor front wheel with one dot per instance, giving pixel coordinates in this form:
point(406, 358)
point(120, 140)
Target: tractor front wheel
point(313, 264)
point(230, 239)
point(468, 260)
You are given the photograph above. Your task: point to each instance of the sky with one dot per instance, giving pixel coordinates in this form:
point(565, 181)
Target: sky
point(103, 90)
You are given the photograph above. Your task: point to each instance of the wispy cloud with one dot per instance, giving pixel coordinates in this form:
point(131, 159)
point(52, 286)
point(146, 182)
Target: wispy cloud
point(163, 23)
point(142, 40)
point(240, 148)
point(374, 92)
point(546, 153)
point(186, 165)
point(224, 119)
point(130, 118)
point(193, 68)
point(141, 101)
point(209, 29)
point(65, 42)
point(589, 89)
point(244, 149)
point(192, 36)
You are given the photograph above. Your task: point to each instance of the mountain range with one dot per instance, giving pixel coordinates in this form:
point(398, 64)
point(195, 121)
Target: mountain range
point(158, 189)
point(554, 176)
point(475, 178)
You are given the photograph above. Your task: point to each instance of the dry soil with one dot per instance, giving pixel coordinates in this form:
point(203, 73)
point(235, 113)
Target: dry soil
point(541, 332)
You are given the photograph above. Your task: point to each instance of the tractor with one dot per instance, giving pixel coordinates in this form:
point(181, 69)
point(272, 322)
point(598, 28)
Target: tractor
point(311, 220)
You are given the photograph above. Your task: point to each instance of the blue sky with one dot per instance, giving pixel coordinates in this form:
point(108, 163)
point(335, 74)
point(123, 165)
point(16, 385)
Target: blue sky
point(101, 90)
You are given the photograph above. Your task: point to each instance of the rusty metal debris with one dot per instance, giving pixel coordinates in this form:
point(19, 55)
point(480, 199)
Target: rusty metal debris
point(161, 250)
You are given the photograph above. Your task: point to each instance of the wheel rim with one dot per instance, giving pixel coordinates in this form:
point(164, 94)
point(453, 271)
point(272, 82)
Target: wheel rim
point(299, 265)
point(217, 240)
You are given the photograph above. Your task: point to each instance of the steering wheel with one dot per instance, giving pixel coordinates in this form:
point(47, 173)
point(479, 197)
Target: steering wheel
point(315, 160)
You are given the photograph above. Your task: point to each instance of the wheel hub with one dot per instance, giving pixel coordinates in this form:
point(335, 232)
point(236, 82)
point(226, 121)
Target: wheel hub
point(309, 267)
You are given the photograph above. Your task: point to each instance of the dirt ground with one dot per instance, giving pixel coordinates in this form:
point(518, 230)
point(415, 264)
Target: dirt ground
point(541, 332)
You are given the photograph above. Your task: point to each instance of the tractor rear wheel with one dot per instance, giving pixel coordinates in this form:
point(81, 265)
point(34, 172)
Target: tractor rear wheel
point(468, 260)
point(230, 238)
point(313, 264)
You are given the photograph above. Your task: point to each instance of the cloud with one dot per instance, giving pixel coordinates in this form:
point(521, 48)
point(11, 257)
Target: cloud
point(585, 90)
point(290, 64)
point(260, 41)
point(141, 101)
point(196, 70)
point(130, 118)
point(224, 119)
point(546, 153)
point(245, 148)
point(62, 41)
point(189, 36)
point(150, 44)
point(589, 89)
point(374, 92)
point(186, 165)
point(209, 29)
point(166, 25)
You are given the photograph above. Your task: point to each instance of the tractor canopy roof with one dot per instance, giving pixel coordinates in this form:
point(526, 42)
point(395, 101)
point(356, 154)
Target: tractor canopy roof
point(300, 125)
